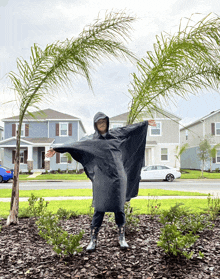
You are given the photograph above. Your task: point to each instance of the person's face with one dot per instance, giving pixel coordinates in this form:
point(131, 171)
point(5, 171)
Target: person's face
point(101, 125)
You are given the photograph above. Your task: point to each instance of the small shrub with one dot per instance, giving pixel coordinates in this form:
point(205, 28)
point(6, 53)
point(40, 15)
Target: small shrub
point(153, 206)
point(217, 170)
point(131, 221)
point(59, 170)
point(179, 230)
point(63, 243)
point(213, 206)
point(36, 209)
point(65, 214)
point(91, 211)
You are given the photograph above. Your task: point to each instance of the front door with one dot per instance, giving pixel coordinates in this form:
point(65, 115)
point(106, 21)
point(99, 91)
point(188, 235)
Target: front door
point(43, 157)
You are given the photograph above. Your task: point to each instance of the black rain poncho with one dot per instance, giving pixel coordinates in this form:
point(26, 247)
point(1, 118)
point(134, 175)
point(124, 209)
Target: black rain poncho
point(112, 162)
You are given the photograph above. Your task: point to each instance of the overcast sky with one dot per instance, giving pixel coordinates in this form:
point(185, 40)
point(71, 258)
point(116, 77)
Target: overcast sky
point(25, 22)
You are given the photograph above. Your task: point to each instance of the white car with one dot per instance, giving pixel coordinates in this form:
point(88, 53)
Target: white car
point(155, 172)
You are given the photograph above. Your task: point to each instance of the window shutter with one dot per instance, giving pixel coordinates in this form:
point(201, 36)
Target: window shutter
point(13, 130)
point(13, 156)
point(214, 160)
point(26, 130)
point(57, 158)
point(70, 129)
point(57, 130)
point(213, 128)
point(25, 156)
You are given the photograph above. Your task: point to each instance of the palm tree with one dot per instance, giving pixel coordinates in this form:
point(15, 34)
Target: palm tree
point(212, 154)
point(69, 159)
point(54, 66)
point(180, 64)
point(179, 151)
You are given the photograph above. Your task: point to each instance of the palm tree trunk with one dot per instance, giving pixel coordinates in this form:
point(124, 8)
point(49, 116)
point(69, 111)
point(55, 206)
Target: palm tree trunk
point(13, 216)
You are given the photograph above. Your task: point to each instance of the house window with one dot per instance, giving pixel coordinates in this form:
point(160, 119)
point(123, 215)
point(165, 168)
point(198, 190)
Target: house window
point(22, 129)
point(63, 129)
point(186, 134)
point(217, 128)
point(156, 131)
point(63, 158)
point(164, 154)
point(22, 156)
point(116, 125)
point(218, 156)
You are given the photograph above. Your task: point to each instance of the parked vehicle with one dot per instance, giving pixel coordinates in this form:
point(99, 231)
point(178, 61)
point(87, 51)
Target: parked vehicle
point(6, 174)
point(156, 172)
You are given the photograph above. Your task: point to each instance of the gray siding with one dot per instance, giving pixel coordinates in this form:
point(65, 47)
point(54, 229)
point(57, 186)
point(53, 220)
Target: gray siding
point(62, 139)
point(81, 131)
point(189, 159)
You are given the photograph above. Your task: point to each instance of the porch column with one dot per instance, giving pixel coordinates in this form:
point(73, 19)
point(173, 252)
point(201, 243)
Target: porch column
point(30, 160)
point(47, 160)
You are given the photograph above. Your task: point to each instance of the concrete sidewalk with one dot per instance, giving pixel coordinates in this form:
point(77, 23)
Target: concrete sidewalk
point(87, 198)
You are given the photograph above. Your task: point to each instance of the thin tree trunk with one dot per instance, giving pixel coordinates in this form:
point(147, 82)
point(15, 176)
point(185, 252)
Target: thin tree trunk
point(13, 216)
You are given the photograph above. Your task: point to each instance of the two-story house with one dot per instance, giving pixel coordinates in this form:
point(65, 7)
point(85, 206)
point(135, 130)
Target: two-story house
point(193, 134)
point(37, 136)
point(161, 140)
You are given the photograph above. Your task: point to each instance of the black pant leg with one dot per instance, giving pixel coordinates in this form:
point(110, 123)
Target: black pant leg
point(97, 219)
point(120, 218)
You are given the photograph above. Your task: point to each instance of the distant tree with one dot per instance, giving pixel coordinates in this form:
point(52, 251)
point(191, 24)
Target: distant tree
point(179, 151)
point(180, 64)
point(204, 152)
point(69, 159)
point(53, 67)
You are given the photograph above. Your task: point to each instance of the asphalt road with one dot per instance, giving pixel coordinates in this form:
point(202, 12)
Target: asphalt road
point(194, 185)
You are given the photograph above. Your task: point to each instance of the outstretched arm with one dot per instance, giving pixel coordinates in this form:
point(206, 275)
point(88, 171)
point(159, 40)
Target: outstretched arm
point(152, 122)
point(50, 153)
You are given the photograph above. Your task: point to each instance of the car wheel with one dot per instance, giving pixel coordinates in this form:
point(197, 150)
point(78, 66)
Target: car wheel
point(170, 177)
point(1, 179)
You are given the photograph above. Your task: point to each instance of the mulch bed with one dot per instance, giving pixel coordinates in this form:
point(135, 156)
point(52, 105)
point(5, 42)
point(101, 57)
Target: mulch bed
point(24, 254)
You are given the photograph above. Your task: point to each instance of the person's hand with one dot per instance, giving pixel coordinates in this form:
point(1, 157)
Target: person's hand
point(50, 153)
point(152, 122)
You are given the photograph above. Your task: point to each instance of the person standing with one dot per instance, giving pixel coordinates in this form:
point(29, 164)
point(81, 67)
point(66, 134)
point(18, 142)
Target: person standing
point(112, 159)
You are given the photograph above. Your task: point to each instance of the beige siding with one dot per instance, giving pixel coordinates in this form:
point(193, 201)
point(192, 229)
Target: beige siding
point(169, 132)
point(194, 132)
point(212, 119)
point(155, 155)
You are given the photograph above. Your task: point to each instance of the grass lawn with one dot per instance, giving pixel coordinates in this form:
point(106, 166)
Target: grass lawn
point(196, 174)
point(6, 193)
point(83, 206)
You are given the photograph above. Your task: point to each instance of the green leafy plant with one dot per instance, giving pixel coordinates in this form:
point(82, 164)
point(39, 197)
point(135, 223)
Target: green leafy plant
point(213, 206)
point(91, 211)
point(63, 243)
point(131, 221)
point(65, 214)
point(153, 207)
point(36, 208)
point(179, 230)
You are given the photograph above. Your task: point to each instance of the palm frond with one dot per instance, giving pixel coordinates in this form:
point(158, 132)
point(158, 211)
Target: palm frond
point(55, 66)
point(179, 65)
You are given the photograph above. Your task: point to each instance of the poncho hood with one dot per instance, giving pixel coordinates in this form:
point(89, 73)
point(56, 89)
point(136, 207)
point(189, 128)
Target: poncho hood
point(100, 115)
